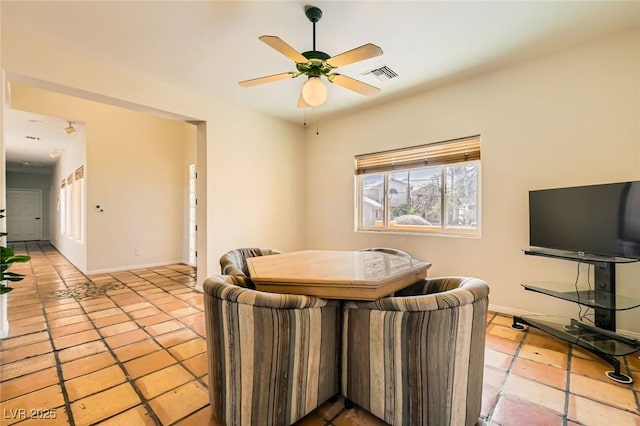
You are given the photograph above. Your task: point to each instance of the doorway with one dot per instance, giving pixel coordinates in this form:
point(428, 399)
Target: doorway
point(24, 214)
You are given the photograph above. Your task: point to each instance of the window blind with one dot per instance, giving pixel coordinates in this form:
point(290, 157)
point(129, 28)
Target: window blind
point(445, 152)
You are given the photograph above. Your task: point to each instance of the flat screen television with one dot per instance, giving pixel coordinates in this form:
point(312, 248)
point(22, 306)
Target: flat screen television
point(601, 220)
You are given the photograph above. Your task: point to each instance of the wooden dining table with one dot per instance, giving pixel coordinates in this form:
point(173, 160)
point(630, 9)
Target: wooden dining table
point(331, 274)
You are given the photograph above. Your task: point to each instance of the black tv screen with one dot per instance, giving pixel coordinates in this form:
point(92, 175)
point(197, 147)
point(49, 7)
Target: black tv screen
point(596, 219)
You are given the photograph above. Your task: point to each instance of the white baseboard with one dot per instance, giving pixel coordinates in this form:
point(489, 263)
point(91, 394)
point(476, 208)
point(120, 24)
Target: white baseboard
point(132, 267)
point(511, 311)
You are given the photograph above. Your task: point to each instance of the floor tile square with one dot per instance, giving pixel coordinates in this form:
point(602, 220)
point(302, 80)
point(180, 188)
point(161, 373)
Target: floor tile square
point(197, 365)
point(510, 412)
point(148, 364)
point(611, 393)
point(123, 327)
point(88, 364)
point(81, 351)
point(26, 351)
point(138, 416)
point(180, 402)
point(535, 393)
point(75, 339)
point(588, 412)
point(176, 337)
point(27, 366)
point(163, 327)
point(189, 349)
point(163, 380)
point(136, 350)
point(97, 381)
point(105, 404)
point(28, 383)
point(49, 397)
point(543, 373)
point(544, 356)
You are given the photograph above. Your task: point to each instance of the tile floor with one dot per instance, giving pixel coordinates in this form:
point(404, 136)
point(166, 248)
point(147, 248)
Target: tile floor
point(128, 348)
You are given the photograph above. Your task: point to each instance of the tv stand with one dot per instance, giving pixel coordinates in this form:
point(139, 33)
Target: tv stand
point(600, 339)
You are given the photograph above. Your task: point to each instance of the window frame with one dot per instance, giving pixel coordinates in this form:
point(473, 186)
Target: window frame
point(386, 171)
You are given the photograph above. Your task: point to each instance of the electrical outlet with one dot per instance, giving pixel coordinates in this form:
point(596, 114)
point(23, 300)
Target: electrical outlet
point(137, 252)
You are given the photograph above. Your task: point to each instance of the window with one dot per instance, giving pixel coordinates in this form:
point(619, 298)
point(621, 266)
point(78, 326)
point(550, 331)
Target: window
point(72, 205)
point(63, 207)
point(69, 206)
point(78, 204)
point(433, 188)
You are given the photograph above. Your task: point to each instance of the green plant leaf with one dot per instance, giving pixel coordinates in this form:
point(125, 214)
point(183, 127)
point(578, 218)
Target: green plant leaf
point(8, 258)
point(12, 276)
point(20, 258)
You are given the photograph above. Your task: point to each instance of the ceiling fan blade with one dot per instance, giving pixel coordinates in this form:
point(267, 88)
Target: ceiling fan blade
point(361, 53)
point(282, 47)
point(353, 84)
point(267, 79)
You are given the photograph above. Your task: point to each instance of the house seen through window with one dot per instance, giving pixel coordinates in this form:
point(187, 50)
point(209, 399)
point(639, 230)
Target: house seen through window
point(433, 188)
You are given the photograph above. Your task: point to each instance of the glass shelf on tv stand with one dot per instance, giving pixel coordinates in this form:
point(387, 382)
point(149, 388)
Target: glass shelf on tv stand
point(605, 344)
point(584, 335)
point(582, 296)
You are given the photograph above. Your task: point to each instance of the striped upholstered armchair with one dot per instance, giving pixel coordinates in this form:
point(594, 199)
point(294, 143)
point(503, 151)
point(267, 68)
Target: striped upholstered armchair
point(234, 262)
point(418, 359)
point(273, 358)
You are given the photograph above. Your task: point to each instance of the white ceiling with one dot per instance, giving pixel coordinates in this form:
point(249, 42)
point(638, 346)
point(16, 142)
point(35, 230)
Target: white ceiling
point(35, 141)
point(208, 46)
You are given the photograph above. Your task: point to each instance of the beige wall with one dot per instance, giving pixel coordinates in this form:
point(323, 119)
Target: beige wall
point(136, 170)
point(566, 119)
point(251, 164)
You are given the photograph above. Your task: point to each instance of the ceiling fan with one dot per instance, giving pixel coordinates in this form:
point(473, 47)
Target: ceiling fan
point(315, 64)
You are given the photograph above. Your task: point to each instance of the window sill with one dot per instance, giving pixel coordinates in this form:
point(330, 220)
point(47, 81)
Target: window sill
point(436, 232)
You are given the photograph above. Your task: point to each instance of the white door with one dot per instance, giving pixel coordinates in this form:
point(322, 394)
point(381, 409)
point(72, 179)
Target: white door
point(192, 216)
point(24, 213)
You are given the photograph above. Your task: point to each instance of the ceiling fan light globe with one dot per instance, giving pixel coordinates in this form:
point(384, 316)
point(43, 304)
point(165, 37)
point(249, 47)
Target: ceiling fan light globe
point(314, 92)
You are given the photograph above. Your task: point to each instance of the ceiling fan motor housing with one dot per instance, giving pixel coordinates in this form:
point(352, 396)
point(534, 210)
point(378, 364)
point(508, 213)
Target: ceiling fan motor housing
point(313, 13)
point(316, 66)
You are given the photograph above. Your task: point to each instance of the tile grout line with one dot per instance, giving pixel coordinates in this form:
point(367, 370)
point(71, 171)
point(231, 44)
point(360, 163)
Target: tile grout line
point(567, 396)
point(61, 381)
point(143, 399)
point(179, 362)
point(70, 414)
point(165, 349)
point(499, 394)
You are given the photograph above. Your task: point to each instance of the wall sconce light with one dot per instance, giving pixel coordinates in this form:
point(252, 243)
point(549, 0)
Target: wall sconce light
point(69, 129)
point(55, 153)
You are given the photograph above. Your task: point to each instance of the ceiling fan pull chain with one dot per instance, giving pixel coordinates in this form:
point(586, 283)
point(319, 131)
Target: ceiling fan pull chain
point(317, 121)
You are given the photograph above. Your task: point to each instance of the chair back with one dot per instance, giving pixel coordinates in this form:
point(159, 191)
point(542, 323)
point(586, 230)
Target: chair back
point(387, 250)
point(272, 358)
point(234, 262)
point(418, 359)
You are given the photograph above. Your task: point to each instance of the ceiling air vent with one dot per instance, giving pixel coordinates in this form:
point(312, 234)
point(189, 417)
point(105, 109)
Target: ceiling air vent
point(383, 73)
